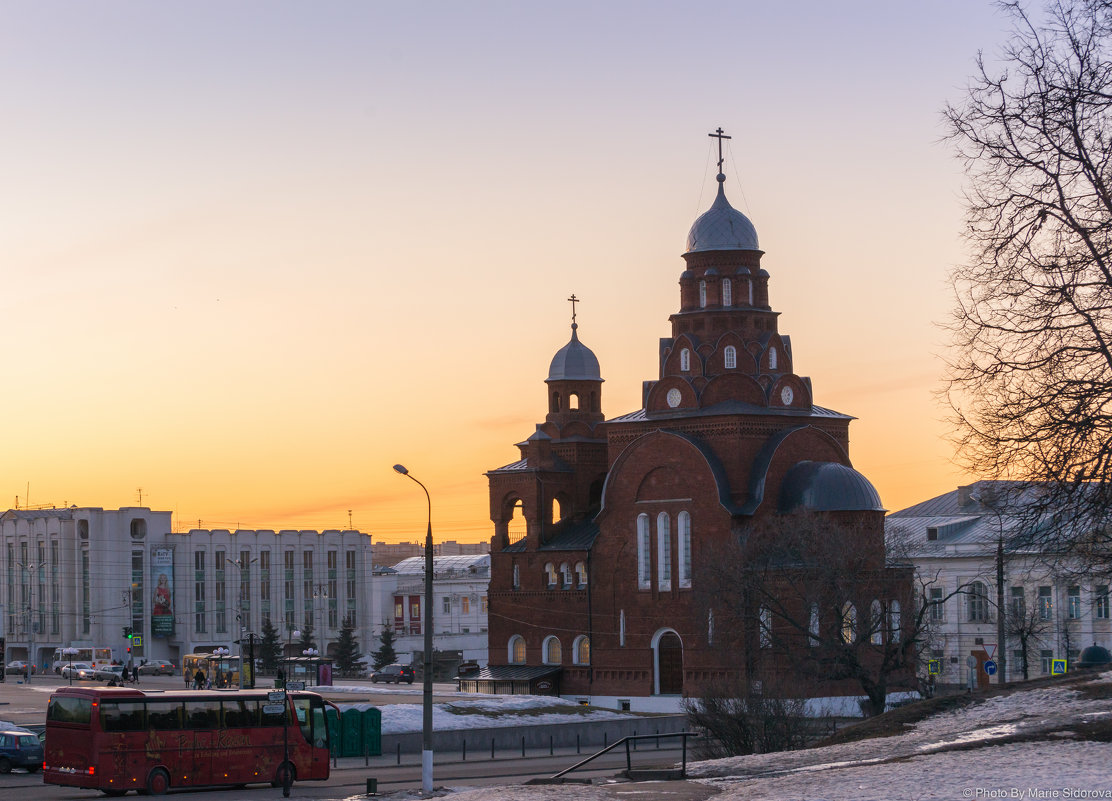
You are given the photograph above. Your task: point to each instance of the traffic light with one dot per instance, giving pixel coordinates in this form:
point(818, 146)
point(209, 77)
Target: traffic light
point(127, 632)
point(129, 649)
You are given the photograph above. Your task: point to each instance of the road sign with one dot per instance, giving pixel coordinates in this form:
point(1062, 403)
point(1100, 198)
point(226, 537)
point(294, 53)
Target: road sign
point(275, 697)
point(990, 667)
point(295, 685)
point(1057, 667)
point(272, 709)
point(137, 641)
point(934, 667)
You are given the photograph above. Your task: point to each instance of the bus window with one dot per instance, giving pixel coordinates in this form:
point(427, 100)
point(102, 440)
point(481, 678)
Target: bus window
point(164, 715)
point(273, 720)
point(320, 725)
point(301, 708)
point(240, 714)
point(202, 714)
point(122, 716)
point(67, 709)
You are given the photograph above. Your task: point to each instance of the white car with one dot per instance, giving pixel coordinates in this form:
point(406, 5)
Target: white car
point(78, 670)
point(110, 672)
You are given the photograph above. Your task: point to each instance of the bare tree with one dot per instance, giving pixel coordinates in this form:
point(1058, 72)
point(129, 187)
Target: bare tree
point(1030, 379)
point(1026, 627)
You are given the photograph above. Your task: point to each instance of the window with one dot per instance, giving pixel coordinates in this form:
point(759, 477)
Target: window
point(565, 575)
point(581, 575)
point(1045, 657)
point(1073, 603)
point(683, 526)
point(550, 575)
point(938, 608)
point(581, 651)
point(663, 552)
point(552, 654)
point(621, 628)
point(977, 596)
point(813, 627)
point(710, 627)
point(483, 604)
point(849, 623)
point(895, 627)
point(727, 292)
point(1100, 601)
point(644, 579)
point(730, 357)
point(772, 358)
point(685, 360)
point(1018, 606)
point(876, 623)
point(465, 605)
point(702, 294)
point(446, 605)
point(766, 627)
point(1046, 606)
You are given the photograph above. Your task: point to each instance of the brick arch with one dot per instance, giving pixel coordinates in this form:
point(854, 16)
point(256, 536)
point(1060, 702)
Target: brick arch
point(733, 387)
point(671, 366)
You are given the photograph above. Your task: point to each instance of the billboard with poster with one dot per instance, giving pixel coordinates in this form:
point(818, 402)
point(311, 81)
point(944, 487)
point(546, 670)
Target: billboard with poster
point(162, 601)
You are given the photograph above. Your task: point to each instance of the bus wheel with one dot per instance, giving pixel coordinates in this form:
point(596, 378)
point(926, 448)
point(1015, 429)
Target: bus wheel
point(280, 774)
point(158, 782)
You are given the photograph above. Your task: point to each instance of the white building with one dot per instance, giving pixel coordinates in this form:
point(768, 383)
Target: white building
point(80, 576)
point(460, 585)
point(952, 541)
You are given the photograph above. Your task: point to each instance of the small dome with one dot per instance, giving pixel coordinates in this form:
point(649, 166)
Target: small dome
point(1095, 656)
point(721, 227)
point(574, 362)
point(827, 487)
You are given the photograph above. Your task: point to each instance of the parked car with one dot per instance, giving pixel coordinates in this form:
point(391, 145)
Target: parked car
point(20, 748)
point(19, 667)
point(393, 673)
point(158, 667)
point(78, 670)
point(110, 672)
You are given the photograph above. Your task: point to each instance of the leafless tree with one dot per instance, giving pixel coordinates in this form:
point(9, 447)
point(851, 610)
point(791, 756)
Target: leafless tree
point(1026, 627)
point(1030, 376)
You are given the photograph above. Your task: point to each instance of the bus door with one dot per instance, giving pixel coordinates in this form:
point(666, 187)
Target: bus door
point(309, 710)
point(203, 718)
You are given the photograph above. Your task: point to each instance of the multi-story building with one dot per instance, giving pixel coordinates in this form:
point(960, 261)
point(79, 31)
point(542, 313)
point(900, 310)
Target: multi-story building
point(81, 576)
point(1052, 610)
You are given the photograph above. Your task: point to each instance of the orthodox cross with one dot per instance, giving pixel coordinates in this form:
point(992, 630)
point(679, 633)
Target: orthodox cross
point(719, 135)
point(573, 300)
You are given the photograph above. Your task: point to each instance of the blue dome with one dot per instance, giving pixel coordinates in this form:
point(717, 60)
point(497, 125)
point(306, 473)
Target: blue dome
point(574, 362)
point(721, 227)
point(827, 487)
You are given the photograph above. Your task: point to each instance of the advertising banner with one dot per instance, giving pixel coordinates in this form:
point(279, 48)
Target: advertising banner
point(162, 603)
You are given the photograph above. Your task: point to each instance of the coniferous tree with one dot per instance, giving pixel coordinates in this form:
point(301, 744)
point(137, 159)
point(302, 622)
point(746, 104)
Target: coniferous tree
point(347, 649)
point(385, 655)
point(270, 647)
point(307, 640)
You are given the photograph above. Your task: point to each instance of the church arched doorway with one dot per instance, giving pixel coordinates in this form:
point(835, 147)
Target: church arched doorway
point(668, 656)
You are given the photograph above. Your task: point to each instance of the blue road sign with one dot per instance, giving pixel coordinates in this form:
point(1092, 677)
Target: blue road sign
point(990, 667)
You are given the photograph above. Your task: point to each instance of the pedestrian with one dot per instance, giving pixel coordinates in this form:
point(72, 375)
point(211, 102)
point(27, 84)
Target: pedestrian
point(199, 680)
point(189, 679)
point(135, 674)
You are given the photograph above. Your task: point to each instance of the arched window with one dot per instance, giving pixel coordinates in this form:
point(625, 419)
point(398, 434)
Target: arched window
point(772, 358)
point(685, 360)
point(554, 404)
point(644, 567)
point(978, 602)
point(581, 575)
point(702, 294)
point(573, 401)
point(813, 628)
point(876, 623)
point(849, 623)
point(683, 533)
point(517, 650)
point(550, 575)
point(766, 627)
point(581, 650)
point(565, 574)
point(621, 628)
point(730, 356)
point(894, 628)
point(663, 552)
point(727, 292)
point(517, 577)
point(552, 654)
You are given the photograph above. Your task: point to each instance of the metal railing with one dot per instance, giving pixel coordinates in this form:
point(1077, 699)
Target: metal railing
point(626, 741)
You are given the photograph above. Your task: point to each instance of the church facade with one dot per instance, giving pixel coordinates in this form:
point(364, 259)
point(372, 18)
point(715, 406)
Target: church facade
point(604, 595)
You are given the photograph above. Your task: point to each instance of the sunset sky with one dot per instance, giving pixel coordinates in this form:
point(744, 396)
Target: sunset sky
point(255, 253)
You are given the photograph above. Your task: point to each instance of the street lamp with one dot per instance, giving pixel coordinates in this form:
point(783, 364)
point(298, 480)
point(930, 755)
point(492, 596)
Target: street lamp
point(243, 596)
point(426, 723)
point(320, 598)
point(992, 502)
point(32, 570)
point(70, 653)
point(290, 633)
point(311, 653)
point(220, 654)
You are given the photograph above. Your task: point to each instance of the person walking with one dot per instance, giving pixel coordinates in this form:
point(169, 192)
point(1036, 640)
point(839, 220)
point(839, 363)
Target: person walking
point(199, 680)
point(135, 674)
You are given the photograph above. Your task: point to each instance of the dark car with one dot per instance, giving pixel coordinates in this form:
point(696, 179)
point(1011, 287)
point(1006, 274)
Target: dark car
point(20, 748)
point(158, 667)
point(393, 673)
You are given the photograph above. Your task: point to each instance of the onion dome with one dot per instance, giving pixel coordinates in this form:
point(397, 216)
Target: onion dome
point(721, 227)
point(827, 487)
point(574, 362)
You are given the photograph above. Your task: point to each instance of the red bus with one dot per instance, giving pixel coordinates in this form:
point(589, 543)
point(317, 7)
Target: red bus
point(119, 739)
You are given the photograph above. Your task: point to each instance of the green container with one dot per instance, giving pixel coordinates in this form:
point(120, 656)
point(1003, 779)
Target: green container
point(372, 731)
point(351, 726)
point(334, 732)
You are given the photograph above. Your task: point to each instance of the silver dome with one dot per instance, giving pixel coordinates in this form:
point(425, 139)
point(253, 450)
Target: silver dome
point(574, 362)
point(827, 487)
point(721, 227)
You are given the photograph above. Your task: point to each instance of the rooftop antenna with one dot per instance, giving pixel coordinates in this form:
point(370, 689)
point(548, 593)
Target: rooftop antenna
point(350, 528)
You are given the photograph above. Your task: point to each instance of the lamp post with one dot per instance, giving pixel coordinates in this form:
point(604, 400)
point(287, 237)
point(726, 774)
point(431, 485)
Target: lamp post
point(32, 570)
point(426, 723)
point(290, 633)
point(311, 653)
point(320, 598)
point(221, 654)
point(70, 653)
point(244, 595)
point(992, 502)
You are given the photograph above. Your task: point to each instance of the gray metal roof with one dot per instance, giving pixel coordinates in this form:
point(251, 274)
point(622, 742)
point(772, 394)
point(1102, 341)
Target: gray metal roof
point(574, 362)
point(721, 227)
point(729, 407)
point(462, 562)
point(827, 487)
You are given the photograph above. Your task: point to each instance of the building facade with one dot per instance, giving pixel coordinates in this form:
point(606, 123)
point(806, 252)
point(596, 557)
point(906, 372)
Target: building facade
point(600, 526)
point(1051, 609)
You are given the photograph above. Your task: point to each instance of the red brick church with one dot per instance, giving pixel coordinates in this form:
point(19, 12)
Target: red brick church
point(595, 598)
